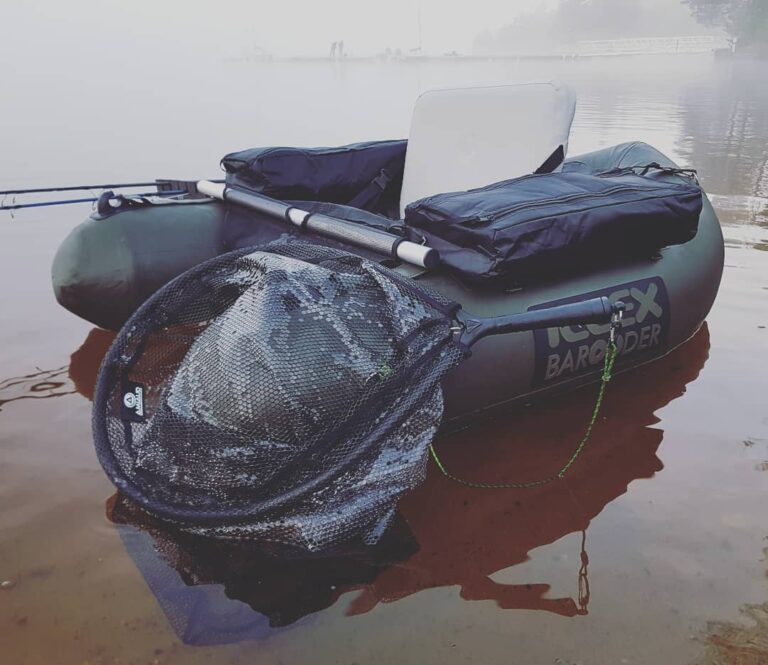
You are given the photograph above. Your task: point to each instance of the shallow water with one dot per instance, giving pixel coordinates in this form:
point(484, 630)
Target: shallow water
point(646, 553)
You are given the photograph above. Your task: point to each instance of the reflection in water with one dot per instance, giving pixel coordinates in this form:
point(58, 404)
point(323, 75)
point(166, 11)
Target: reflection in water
point(260, 589)
point(446, 534)
point(465, 535)
point(77, 377)
point(38, 385)
point(725, 120)
point(84, 363)
point(724, 128)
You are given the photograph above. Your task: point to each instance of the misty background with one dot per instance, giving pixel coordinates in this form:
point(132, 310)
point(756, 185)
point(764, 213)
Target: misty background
point(102, 33)
point(95, 89)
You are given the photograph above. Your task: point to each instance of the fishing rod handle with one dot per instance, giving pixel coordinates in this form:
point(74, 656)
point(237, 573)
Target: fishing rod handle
point(376, 240)
point(595, 310)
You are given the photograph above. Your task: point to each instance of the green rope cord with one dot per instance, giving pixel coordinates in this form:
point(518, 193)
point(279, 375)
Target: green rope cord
point(610, 358)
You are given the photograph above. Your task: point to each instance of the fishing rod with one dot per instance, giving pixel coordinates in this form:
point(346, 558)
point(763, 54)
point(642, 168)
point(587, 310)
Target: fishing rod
point(75, 188)
point(163, 187)
point(43, 204)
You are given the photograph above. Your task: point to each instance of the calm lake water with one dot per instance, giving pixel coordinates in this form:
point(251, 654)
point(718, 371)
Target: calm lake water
point(653, 550)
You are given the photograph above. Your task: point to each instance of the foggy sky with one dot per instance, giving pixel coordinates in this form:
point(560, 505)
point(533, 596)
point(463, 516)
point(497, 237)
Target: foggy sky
point(74, 30)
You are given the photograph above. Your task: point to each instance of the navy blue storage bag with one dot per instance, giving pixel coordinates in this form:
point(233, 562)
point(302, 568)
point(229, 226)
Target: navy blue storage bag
point(362, 175)
point(545, 224)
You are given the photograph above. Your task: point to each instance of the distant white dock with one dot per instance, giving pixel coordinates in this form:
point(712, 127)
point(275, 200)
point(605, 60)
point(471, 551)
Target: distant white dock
point(652, 45)
point(599, 48)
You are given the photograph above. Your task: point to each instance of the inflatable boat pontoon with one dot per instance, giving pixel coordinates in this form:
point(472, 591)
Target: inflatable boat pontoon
point(459, 140)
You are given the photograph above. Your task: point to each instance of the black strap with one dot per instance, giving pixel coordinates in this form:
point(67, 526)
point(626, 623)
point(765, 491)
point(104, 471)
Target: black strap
point(688, 173)
point(553, 161)
point(368, 197)
point(644, 169)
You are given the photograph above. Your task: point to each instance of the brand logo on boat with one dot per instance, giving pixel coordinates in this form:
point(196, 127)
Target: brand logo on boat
point(132, 407)
point(571, 351)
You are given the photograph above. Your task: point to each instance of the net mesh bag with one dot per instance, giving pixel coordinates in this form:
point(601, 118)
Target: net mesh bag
point(286, 393)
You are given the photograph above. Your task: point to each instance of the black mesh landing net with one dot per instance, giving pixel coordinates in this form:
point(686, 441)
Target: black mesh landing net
point(287, 393)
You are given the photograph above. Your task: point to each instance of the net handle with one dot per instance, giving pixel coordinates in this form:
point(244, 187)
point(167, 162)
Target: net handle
point(594, 310)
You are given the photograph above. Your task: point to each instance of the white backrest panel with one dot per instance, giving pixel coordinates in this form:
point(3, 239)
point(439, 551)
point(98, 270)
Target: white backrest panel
point(471, 137)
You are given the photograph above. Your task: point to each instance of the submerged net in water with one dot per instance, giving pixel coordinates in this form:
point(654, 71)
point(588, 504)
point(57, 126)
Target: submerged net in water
point(287, 393)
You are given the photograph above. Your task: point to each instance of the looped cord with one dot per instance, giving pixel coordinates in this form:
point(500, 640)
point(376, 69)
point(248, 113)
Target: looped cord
point(611, 353)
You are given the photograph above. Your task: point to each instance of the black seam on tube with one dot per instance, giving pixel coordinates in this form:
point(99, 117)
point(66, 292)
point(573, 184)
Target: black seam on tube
point(395, 245)
point(304, 221)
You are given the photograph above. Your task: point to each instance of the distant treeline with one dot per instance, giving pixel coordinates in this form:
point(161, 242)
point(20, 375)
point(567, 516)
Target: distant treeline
point(572, 21)
point(746, 21)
